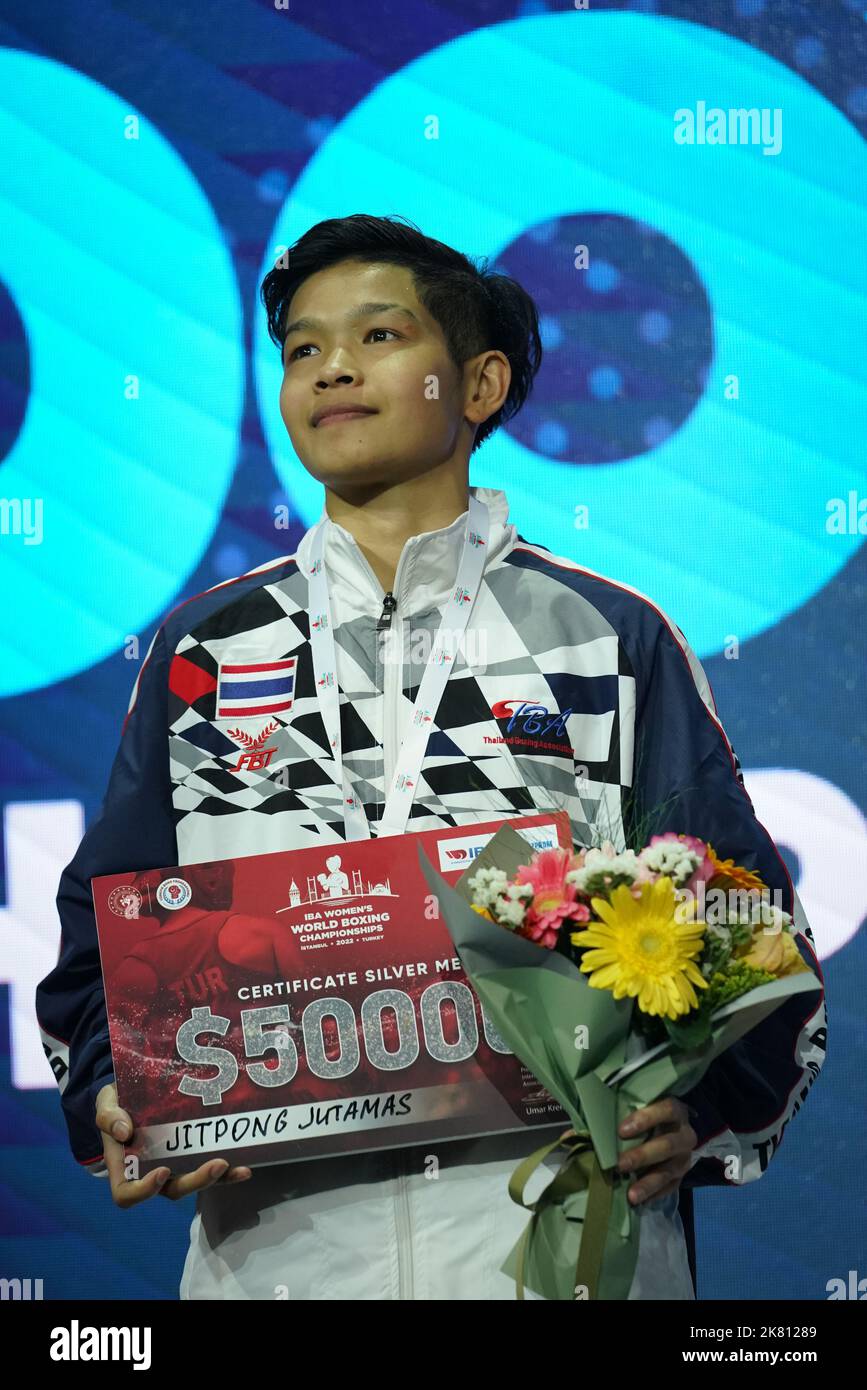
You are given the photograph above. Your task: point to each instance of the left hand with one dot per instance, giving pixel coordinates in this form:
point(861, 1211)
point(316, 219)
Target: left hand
point(664, 1160)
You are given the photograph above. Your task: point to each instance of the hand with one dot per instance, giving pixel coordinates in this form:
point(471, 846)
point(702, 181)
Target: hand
point(664, 1159)
point(129, 1192)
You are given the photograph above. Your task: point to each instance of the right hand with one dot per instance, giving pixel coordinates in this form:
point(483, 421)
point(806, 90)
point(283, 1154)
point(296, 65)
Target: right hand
point(129, 1192)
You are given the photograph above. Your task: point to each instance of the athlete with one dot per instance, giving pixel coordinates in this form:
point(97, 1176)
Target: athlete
point(425, 666)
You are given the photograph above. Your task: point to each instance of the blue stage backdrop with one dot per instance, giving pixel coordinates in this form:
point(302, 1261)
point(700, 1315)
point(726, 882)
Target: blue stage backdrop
point(697, 431)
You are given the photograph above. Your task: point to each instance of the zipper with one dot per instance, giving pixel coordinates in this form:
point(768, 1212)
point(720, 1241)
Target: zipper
point(389, 604)
point(392, 686)
point(389, 628)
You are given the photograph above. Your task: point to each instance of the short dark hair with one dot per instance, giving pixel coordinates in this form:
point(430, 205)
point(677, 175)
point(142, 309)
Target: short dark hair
point(476, 308)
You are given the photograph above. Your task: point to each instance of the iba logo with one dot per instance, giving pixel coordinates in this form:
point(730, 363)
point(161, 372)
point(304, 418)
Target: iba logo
point(255, 757)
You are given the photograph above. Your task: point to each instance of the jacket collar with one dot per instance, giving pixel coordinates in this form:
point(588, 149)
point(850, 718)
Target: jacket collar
point(426, 570)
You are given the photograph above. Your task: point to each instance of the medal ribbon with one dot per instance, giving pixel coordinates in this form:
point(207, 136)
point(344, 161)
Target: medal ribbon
point(436, 673)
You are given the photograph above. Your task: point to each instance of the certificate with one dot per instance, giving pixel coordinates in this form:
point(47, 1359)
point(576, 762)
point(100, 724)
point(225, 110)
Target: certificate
point(286, 1006)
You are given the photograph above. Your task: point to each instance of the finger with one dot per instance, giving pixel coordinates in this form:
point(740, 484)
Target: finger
point(652, 1185)
point(236, 1175)
point(233, 1175)
point(205, 1176)
point(129, 1192)
point(674, 1144)
point(114, 1121)
point(667, 1111)
point(111, 1117)
point(113, 1152)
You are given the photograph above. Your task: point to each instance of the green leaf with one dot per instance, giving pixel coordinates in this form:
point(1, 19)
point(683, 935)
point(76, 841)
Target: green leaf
point(691, 1031)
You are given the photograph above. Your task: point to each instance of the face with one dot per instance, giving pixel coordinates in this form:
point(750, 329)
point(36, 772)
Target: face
point(385, 361)
point(211, 884)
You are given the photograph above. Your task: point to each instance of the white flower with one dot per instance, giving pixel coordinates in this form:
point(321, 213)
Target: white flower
point(487, 876)
point(717, 929)
point(510, 911)
point(672, 858)
point(596, 863)
point(487, 885)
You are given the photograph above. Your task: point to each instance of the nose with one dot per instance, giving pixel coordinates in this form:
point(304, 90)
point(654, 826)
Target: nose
point(336, 366)
point(336, 377)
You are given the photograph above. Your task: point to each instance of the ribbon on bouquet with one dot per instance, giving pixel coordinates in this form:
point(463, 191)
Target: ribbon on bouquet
point(579, 1170)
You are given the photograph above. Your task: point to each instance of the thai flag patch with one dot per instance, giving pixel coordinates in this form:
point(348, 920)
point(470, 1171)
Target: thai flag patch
point(255, 687)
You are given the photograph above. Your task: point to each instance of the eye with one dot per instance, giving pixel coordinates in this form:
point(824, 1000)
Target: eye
point(294, 353)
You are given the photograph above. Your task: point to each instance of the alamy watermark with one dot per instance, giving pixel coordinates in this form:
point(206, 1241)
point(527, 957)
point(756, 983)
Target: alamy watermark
point(20, 1289)
point(737, 126)
point(717, 906)
point(22, 516)
point(471, 643)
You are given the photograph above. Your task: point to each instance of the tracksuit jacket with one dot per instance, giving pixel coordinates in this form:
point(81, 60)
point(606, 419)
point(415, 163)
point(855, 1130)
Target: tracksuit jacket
point(570, 690)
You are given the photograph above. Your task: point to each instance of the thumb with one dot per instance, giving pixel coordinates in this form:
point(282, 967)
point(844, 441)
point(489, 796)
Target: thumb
point(110, 1118)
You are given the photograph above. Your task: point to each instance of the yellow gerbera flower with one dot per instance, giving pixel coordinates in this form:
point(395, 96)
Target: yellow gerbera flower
point(641, 950)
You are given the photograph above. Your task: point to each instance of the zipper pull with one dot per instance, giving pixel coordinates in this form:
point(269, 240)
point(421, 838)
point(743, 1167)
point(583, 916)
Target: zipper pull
point(389, 604)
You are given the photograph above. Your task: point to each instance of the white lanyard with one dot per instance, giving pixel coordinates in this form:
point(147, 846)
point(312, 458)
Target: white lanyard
point(436, 674)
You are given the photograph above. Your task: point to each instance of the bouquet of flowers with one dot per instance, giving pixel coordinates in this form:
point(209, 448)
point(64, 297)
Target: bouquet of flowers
point(616, 978)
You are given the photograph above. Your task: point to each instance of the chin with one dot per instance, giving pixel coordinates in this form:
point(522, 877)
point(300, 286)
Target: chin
point(358, 471)
point(335, 461)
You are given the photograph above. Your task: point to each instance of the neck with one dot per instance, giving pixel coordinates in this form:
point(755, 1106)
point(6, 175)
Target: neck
point(382, 518)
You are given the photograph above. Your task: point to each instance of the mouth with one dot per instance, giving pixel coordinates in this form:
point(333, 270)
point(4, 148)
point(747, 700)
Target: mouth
point(338, 417)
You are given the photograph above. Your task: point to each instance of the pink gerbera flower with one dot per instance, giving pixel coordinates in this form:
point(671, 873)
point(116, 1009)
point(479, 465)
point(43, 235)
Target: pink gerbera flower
point(554, 900)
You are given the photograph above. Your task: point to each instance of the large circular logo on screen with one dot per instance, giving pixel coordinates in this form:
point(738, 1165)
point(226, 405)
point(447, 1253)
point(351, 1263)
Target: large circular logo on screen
point(133, 356)
point(722, 518)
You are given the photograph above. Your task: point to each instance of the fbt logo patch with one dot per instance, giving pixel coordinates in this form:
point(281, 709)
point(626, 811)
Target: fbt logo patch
point(458, 853)
point(255, 756)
